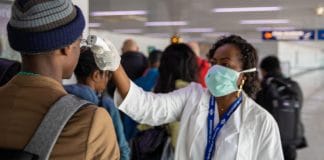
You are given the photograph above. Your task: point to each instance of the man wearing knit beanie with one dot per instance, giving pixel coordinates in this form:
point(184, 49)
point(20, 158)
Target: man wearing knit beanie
point(47, 33)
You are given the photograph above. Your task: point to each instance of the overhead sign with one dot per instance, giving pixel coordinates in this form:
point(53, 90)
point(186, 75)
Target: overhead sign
point(294, 35)
point(320, 34)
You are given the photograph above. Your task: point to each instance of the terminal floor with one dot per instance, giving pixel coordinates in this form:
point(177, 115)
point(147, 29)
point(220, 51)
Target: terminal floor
point(313, 118)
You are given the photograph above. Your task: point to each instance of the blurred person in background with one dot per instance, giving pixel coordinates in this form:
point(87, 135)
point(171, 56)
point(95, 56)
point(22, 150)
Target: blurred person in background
point(151, 75)
point(283, 98)
point(91, 85)
point(177, 70)
point(134, 62)
point(203, 64)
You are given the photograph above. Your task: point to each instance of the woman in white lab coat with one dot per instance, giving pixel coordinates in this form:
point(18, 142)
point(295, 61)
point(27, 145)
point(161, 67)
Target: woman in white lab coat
point(246, 131)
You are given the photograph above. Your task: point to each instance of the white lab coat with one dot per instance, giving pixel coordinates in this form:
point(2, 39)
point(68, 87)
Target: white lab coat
point(250, 134)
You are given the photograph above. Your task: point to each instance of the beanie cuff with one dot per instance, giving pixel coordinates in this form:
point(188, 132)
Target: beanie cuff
point(37, 42)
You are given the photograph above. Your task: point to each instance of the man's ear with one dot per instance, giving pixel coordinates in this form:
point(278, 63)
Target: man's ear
point(96, 76)
point(66, 50)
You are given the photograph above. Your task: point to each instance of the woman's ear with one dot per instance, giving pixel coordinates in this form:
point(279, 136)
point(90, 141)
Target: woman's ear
point(240, 79)
point(96, 76)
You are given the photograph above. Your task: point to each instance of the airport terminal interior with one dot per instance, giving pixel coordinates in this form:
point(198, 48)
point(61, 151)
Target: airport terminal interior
point(290, 30)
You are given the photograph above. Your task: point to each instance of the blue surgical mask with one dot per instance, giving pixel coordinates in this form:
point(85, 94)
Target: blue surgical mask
point(222, 81)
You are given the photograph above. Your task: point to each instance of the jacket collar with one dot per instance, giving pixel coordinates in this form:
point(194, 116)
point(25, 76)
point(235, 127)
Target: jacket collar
point(84, 92)
point(38, 81)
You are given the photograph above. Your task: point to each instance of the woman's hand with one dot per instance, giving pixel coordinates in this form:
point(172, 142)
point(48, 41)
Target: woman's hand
point(107, 58)
point(105, 53)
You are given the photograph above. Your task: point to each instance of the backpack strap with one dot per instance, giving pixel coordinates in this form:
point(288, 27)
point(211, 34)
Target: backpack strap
point(52, 125)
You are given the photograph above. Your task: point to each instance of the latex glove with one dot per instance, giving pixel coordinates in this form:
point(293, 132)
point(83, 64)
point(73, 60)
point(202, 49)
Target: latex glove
point(105, 53)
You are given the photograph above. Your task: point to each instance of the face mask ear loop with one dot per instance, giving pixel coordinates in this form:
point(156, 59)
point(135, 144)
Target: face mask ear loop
point(249, 70)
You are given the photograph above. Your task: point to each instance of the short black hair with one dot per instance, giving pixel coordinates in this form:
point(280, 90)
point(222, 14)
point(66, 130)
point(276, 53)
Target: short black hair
point(178, 62)
point(249, 60)
point(270, 64)
point(155, 56)
point(86, 64)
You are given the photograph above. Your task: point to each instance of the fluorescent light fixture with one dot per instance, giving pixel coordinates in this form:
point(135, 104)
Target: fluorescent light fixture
point(94, 25)
point(164, 35)
point(196, 30)
point(320, 11)
point(215, 34)
point(246, 9)
point(119, 13)
point(254, 40)
point(166, 23)
point(265, 21)
point(197, 39)
point(275, 28)
point(128, 30)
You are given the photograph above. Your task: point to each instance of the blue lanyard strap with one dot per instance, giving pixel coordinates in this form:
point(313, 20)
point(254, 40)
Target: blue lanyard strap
point(213, 133)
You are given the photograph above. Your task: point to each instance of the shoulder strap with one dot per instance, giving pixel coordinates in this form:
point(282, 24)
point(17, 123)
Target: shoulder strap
point(52, 125)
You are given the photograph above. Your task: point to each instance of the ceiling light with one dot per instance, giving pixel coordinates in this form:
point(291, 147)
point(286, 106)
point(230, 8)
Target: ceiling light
point(196, 30)
point(320, 11)
point(254, 40)
point(128, 30)
point(246, 9)
point(197, 39)
point(166, 23)
point(118, 13)
point(164, 35)
point(275, 28)
point(215, 34)
point(94, 25)
point(265, 21)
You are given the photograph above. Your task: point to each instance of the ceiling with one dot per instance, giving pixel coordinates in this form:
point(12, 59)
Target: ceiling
point(198, 14)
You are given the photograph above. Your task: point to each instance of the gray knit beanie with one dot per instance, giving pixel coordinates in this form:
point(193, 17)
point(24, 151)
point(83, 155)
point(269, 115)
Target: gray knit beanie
point(38, 26)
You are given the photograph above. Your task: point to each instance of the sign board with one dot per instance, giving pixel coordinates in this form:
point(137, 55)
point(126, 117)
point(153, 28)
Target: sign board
point(293, 35)
point(320, 34)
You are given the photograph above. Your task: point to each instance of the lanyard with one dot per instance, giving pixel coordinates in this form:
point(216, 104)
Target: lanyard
point(213, 133)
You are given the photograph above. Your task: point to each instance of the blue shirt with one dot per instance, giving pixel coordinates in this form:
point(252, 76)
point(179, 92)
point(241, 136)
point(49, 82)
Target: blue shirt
point(148, 80)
